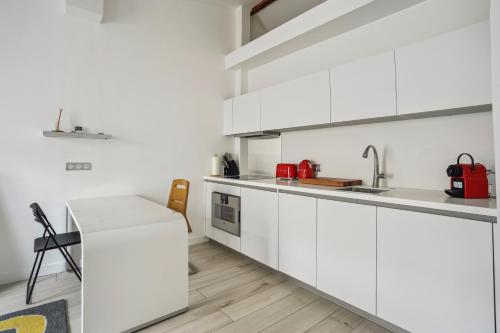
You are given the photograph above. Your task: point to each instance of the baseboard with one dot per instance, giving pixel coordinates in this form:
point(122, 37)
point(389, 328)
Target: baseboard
point(7, 277)
point(196, 238)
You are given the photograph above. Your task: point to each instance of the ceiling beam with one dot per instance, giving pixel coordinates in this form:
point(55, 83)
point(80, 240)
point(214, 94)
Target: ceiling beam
point(260, 6)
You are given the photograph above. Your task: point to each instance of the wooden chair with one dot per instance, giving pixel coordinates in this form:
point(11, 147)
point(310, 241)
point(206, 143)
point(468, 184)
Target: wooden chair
point(178, 198)
point(177, 201)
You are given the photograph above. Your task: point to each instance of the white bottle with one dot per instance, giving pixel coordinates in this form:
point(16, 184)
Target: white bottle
point(215, 165)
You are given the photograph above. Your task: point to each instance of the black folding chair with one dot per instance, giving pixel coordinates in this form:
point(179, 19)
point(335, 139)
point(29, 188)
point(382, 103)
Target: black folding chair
point(50, 241)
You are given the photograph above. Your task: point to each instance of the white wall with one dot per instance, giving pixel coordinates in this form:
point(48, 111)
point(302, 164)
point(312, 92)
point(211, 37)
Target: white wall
point(152, 75)
point(415, 153)
point(263, 155)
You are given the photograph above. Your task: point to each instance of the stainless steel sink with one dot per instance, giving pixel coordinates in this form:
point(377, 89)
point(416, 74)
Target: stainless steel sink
point(364, 189)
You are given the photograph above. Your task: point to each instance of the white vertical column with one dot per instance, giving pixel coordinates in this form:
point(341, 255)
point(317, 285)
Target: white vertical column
point(495, 58)
point(241, 80)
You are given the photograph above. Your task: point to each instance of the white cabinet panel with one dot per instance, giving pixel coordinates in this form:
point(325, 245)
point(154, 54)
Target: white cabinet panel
point(226, 239)
point(364, 88)
point(209, 189)
point(448, 71)
point(246, 113)
point(228, 116)
point(347, 252)
point(435, 273)
point(259, 226)
point(301, 102)
point(297, 237)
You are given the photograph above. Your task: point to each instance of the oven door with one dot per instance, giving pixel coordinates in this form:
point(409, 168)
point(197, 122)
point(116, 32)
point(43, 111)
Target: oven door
point(226, 212)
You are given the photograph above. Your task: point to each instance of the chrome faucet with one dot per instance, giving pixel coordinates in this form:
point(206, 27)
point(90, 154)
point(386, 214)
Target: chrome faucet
point(376, 174)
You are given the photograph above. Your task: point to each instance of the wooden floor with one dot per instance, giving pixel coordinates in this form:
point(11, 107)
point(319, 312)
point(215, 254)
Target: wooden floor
point(230, 293)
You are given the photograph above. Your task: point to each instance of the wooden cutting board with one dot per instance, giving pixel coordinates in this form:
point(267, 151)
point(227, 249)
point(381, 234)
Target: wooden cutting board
point(338, 182)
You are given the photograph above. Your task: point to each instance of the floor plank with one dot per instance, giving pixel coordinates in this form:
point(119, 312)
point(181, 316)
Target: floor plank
point(274, 312)
point(305, 318)
point(230, 293)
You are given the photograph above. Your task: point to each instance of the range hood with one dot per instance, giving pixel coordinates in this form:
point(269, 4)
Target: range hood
point(259, 135)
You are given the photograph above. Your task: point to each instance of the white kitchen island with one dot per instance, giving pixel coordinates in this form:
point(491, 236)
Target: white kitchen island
point(134, 255)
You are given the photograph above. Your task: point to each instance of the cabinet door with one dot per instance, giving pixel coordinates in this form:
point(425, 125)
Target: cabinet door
point(246, 113)
point(302, 102)
point(435, 273)
point(347, 252)
point(228, 116)
point(259, 225)
point(297, 237)
point(209, 189)
point(364, 89)
point(451, 70)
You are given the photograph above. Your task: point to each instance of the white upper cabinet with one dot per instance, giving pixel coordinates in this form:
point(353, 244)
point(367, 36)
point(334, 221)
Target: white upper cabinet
point(301, 102)
point(452, 70)
point(228, 116)
point(246, 113)
point(347, 252)
point(435, 273)
point(297, 237)
point(364, 89)
point(259, 225)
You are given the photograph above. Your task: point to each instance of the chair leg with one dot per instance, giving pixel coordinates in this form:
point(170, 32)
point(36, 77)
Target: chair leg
point(71, 262)
point(192, 269)
point(30, 293)
point(28, 286)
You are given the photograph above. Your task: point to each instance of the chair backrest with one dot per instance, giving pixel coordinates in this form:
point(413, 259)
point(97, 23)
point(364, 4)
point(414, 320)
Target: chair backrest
point(178, 198)
point(41, 218)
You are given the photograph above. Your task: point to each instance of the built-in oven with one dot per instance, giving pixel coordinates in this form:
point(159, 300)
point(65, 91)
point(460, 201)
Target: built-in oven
point(226, 212)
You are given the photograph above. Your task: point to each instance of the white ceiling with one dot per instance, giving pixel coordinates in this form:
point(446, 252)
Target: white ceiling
point(273, 15)
point(235, 3)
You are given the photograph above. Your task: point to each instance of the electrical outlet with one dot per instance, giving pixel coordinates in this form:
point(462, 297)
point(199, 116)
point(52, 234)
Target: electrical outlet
point(78, 166)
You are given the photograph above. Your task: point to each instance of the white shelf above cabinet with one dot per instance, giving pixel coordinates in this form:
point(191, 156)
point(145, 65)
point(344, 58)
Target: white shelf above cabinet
point(73, 135)
point(329, 19)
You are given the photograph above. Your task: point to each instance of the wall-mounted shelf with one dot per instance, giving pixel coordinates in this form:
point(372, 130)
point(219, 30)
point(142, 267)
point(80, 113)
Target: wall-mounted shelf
point(74, 135)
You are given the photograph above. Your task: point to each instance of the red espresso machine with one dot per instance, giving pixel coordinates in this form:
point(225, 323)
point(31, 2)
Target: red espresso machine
point(468, 181)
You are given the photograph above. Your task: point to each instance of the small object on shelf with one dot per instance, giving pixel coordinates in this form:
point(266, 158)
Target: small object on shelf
point(58, 122)
point(53, 134)
point(78, 129)
point(215, 165)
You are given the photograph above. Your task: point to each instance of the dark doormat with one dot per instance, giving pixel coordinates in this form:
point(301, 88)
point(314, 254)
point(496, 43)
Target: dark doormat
point(46, 318)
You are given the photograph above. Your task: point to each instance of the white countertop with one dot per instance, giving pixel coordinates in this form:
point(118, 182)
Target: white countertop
point(418, 198)
point(108, 213)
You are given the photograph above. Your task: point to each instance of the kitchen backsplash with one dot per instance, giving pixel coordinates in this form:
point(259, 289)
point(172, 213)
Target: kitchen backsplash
point(412, 153)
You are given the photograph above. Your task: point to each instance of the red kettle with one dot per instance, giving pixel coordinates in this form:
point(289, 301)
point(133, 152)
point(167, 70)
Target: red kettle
point(306, 169)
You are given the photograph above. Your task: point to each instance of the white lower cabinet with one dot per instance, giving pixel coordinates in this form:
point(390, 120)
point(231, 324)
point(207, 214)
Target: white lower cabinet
point(226, 239)
point(259, 225)
point(435, 273)
point(297, 237)
point(347, 252)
